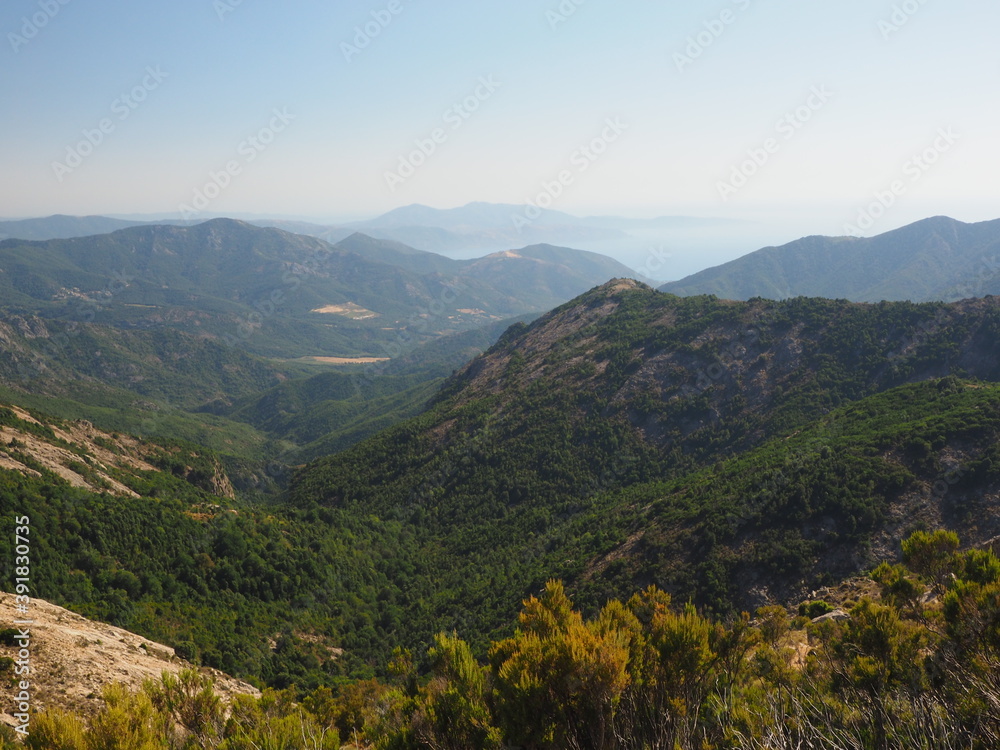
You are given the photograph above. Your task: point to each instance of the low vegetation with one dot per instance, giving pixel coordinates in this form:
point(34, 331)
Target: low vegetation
point(916, 666)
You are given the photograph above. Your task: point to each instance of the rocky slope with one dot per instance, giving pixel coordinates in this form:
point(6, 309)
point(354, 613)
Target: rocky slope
point(85, 457)
point(73, 658)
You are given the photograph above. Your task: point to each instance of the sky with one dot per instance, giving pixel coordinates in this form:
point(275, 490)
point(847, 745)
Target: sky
point(804, 117)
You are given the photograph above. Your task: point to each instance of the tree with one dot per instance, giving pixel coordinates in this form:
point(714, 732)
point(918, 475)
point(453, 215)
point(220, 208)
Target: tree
point(129, 721)
point(879, 654)
point(930, 554)
point(453, 714)
point(567, 675)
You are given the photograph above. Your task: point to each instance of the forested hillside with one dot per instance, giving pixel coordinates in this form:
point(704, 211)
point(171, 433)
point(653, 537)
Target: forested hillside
point(733, 455)
point(908, 659)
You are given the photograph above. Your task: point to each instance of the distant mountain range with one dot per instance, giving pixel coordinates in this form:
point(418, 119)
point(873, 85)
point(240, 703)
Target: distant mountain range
point(488, 227)
point(465, 231)
point(223, 333)
point(934, 259)
point(479, 215)
point(482, 226)
point(285, 294)
point(61, 227)
point(537, 271)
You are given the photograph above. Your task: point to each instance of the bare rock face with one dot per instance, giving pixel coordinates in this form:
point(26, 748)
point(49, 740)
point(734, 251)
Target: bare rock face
point(89, 458)
point(836, 616)
point(73, 658)
point(221, 484)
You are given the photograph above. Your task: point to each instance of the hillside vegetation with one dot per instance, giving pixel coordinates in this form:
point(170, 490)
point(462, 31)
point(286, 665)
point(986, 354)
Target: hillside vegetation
point(912, 664)
point(285, 295)
point(733, 455)
point(243, 339)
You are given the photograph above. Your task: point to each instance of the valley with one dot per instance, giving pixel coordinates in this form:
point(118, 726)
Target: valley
point(317, 504)
point(399, 375)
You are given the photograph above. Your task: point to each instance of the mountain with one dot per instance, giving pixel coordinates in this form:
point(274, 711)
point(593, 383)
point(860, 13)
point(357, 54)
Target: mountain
point(164, 382)
point(60, 226)
point(545, 275)
point(52, 357)
point(332, 234)
point(147, 535)
point(276, 293)
point(544, 271)
point(733, 453)
point(498, 215)
point(933, 259)
point(398, 254)
point(479, 227)
point(219, 333)
point(330, 411)
point(476, 214)
point(74, 452)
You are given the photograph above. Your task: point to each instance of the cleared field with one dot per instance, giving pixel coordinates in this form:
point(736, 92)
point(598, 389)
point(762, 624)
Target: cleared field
point(342, 360)
point(348, 310)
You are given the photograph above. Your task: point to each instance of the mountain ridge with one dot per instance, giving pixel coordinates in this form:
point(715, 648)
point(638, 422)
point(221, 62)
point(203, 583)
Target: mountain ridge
point(734, 454)
point(937, 258)
point(265, 289)
point(596, 434)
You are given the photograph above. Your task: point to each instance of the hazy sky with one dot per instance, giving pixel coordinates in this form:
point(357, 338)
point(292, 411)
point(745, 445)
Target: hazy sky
point(815, 105)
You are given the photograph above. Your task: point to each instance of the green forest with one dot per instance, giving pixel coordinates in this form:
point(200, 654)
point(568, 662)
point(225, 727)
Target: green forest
point(389, 567)
point(718, 458)
point(916, 664)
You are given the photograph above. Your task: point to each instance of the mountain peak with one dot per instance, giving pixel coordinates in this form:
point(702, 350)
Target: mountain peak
point(620, 285)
